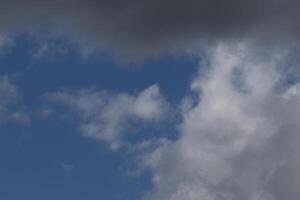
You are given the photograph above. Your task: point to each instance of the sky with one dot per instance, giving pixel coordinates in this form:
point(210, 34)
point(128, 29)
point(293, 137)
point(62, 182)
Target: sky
point(149, 100)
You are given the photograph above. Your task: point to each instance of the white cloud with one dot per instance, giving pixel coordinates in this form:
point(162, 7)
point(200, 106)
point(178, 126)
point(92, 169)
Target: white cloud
point(68, 168)
point(105, 116)
point(10, 110)
point(8, 93)
point(19, 117)
point(239, 141)
point(41, 51)
point(5, 40)
point(149, 104)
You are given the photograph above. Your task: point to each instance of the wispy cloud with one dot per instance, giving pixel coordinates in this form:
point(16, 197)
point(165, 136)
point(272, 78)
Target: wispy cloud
point(8, 93)
point(106, 116)
point(68, 168)
point(10, 105)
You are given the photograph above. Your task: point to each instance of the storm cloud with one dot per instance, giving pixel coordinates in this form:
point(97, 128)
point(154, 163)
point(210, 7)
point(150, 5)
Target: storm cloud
point(139, 26)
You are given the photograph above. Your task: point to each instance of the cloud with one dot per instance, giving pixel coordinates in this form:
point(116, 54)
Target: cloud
point(5, 41)
point(239, 137)
point(19, 117)
point(10, 106)
point(141, 27)
point(8, 93)
point(239, 140)
point(105, 116)
point(68, 168)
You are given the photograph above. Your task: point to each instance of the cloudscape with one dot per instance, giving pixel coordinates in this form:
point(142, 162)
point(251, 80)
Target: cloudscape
point(150, 100)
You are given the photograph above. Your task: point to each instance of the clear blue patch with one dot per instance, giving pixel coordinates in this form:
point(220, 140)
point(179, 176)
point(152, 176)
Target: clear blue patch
point(31, 157)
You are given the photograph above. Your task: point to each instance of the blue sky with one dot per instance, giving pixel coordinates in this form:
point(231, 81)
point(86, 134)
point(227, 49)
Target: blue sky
point(173, 127)
point(33, 155)
point(149, 100)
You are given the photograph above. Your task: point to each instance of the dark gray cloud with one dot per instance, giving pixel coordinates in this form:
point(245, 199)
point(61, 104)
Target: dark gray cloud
point(146, 26)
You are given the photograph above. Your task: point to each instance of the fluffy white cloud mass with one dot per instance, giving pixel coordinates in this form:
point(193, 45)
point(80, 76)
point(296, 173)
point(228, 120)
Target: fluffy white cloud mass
point(241, 138)
point(105, 116)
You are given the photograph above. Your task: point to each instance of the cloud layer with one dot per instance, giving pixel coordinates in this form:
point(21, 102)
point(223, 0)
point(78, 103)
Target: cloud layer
point(139, 26)
point(239, 140)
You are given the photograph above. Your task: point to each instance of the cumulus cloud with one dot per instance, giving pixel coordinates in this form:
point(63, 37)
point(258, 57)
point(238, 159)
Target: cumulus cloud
point(139, 26)
point(105, 116)
point(239, 140)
